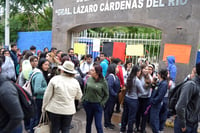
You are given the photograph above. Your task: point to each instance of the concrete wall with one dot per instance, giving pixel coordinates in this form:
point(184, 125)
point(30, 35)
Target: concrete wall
point(178, 20)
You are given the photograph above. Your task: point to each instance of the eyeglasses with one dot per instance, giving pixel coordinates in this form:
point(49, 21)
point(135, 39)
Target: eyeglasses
point(7, 53)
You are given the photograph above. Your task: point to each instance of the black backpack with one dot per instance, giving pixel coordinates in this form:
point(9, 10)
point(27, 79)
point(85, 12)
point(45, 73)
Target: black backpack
point(27, 102)
point(174, 95)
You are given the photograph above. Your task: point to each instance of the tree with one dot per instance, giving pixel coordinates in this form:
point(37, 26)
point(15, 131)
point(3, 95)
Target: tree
point(27, 15)
point(111, 31)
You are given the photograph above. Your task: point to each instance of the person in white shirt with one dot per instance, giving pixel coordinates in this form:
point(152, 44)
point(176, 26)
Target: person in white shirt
point(59, 98)
point(86, 66)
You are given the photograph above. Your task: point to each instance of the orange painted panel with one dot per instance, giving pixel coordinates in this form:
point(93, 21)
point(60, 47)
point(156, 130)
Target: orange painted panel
point(180, 51)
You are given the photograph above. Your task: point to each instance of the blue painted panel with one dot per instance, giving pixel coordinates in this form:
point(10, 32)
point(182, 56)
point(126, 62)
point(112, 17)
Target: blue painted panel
point(89, 43)
point(198, 57)
point(40, 39)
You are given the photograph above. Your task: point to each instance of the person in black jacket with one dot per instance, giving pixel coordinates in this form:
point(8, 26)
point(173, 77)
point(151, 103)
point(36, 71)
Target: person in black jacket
point(11, 113)
point(188, 106)
point(13, 54)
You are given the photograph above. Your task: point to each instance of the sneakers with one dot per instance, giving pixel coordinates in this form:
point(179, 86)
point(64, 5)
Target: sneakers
point(117, 111)
point(111, 127)
point(136, 130)
point(71, 126)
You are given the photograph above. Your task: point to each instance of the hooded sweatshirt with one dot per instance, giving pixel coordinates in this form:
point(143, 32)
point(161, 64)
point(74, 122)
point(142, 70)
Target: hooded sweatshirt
point(171, 67)
point(104, 65)
point(11, 113)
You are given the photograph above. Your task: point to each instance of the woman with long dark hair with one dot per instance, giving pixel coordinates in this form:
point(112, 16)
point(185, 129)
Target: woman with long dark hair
point(127, 70)
point(39, 85)
point(114, 87)
point(133, 86)
point(143, 100)
point(95, 96)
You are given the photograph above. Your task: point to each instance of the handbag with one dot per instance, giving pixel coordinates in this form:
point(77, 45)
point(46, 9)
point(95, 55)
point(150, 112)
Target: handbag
point(122, 94)
point(44, 124)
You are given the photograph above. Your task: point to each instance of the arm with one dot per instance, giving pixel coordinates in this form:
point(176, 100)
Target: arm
point(106, 93)
point(173, 73)
point(181, 106)
point(21, 79)
point(37, 86)
point(82, 67)
point(162, 89)
point(121, 77)
point(79, 92)
point(110, 81)
point(9, 101)
point(47, 95)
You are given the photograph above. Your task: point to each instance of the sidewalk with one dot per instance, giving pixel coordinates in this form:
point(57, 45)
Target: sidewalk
point(79, 122)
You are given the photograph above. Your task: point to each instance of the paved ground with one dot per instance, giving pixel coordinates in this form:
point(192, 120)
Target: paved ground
point(79, 122)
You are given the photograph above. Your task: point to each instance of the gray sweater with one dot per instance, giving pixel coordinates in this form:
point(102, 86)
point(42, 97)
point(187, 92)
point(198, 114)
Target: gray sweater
point(136, 88)
point(188, 105)
point(11, 113)
point(147, 89)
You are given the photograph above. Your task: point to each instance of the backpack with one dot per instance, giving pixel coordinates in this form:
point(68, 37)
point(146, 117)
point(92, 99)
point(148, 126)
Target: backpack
point(27, 86)
point(27, 102)
point(174, 95)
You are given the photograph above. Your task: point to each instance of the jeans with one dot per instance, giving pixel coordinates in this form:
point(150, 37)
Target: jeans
point(18, 129)
point(155, 118)
point(108, 110)
point(163, 113)
point(189, 129)
point(35, 120)
point(141, 119)
point(117, 103)
point(129, 114)
point(93, 110)
point(60, 122)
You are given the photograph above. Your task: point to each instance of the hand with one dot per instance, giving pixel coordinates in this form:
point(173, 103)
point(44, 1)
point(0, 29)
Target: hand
point(43, 110)
point(183, 129)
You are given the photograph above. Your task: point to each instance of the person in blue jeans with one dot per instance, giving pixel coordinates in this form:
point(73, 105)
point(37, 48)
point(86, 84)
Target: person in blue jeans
point(94, 98)
point(133, 86)
point(156, 101)
point(114, 87)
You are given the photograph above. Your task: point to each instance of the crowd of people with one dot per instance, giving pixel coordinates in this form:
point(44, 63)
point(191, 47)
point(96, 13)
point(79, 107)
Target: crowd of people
point(60, 81)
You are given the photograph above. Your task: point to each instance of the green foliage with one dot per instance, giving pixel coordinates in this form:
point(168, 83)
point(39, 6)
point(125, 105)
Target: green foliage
point(27, 15)
point(1, 32)
point(126, 30)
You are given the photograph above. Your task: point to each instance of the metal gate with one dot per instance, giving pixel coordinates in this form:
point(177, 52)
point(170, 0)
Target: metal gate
point(150, 41)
